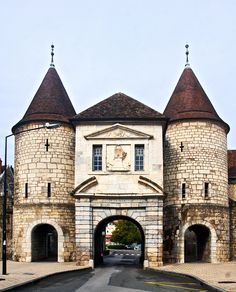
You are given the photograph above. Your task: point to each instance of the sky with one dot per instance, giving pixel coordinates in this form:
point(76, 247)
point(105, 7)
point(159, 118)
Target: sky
point(105, 46)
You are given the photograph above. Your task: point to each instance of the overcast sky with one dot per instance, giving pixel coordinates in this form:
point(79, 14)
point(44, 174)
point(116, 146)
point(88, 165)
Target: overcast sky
point(104, 46)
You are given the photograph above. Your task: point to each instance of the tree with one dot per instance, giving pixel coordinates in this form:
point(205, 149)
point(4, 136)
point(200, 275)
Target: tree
point(126, 232)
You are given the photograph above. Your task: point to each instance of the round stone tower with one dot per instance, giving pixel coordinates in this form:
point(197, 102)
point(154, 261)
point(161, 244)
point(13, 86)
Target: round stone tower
point(196, 214)
point(44, 217)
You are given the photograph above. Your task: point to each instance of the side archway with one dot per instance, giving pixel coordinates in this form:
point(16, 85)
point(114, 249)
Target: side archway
point(98, 241)
point(44, 243)
point(54, 230)
point(197, 241)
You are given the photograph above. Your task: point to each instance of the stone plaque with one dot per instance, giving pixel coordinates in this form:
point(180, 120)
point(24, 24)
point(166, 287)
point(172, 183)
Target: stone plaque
point(118, 157)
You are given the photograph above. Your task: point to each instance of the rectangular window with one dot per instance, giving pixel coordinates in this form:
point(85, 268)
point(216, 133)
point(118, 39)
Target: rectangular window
point(139, 157)
point(97, 157)
point(49, 190)
point(183, 190)
point(26, 190)
point(206, 190)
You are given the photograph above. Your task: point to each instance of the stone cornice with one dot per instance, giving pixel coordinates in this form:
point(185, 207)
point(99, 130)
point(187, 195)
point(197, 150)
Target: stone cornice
point(119, 196)
point(192, 206)
point(41, 205)
point(150, 183)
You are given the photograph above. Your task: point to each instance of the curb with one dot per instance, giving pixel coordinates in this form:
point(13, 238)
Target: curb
point(32, 281)
point(202, 282)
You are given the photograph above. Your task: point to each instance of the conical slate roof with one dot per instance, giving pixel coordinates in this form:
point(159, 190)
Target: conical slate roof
point(119, 107)
point(189, 101)
point(50, 103)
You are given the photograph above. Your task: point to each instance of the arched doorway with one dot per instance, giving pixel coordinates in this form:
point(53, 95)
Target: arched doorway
point(197, 244)
point(99, 247)
point(44, 243)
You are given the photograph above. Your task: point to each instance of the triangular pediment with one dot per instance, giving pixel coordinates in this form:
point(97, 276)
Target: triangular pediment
point(118, 131)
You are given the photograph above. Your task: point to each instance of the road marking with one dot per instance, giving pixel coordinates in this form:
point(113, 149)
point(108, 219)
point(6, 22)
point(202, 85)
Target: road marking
point(130, 254)
point(177, 283)
point(170, 284)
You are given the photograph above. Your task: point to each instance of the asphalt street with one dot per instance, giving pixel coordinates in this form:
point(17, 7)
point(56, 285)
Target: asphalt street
point(119, 273)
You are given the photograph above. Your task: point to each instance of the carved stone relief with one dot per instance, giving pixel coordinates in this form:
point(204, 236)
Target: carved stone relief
point(118, 157)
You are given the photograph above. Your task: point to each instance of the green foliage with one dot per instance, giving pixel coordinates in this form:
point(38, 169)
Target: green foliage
point(126, 232)
point(116, 246)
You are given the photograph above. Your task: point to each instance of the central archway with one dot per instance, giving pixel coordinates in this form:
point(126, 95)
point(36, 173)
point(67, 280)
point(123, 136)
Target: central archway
point(44, 243)
point(98, 241)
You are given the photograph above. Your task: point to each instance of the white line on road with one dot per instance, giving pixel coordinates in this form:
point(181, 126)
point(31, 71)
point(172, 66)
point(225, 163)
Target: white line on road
point(100, 282)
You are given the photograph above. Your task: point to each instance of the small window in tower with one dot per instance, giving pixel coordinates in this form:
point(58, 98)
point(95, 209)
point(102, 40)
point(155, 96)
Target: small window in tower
point(97, 157)
point(49, 190)
point(139, 157)
point(183, 191)
point(47, 145)
point(206, 190)
point(26, 190)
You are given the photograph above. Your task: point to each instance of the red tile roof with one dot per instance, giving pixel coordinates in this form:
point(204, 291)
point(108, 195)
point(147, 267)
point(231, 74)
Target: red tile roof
point(119, 107)
point(50, 103)
point(232, 163)
point(189, 101)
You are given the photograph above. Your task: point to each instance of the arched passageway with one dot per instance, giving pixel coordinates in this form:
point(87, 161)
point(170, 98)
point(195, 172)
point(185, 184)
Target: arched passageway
point(99, 239)
point(44, 243)
point(197, 244)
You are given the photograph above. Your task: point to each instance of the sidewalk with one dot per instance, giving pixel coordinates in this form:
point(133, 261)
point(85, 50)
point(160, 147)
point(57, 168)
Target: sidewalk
point(19, 273)
point(209, 273)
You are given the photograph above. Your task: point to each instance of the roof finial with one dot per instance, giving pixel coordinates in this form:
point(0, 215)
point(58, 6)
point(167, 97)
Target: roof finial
point(187, 53)
point(52, 54)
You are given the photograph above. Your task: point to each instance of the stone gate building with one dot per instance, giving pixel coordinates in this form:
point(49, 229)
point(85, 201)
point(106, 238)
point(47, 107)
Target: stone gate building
point(120, 159)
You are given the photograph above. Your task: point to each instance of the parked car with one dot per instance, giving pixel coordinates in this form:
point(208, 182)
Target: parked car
point(138, 247)
point(131, 246)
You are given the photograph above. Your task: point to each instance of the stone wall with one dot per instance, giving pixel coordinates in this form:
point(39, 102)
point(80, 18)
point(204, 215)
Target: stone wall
point(232, 191)
point(232, 230)
point(119, 176)
point(118, 189)
point(147, 212)
point(195, 153)
point(44, 178)
point(178, 218)
point(203, 160)
point(38, 167)
point(29, 216)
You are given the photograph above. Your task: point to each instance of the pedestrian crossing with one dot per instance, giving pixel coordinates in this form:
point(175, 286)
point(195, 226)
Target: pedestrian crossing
point(132, 254)
point(124, 254)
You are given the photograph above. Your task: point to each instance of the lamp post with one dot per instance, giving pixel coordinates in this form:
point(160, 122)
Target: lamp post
point(4, 199)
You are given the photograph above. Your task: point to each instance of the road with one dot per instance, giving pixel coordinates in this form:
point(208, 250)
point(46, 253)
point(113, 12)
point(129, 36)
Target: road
point(119, 273)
